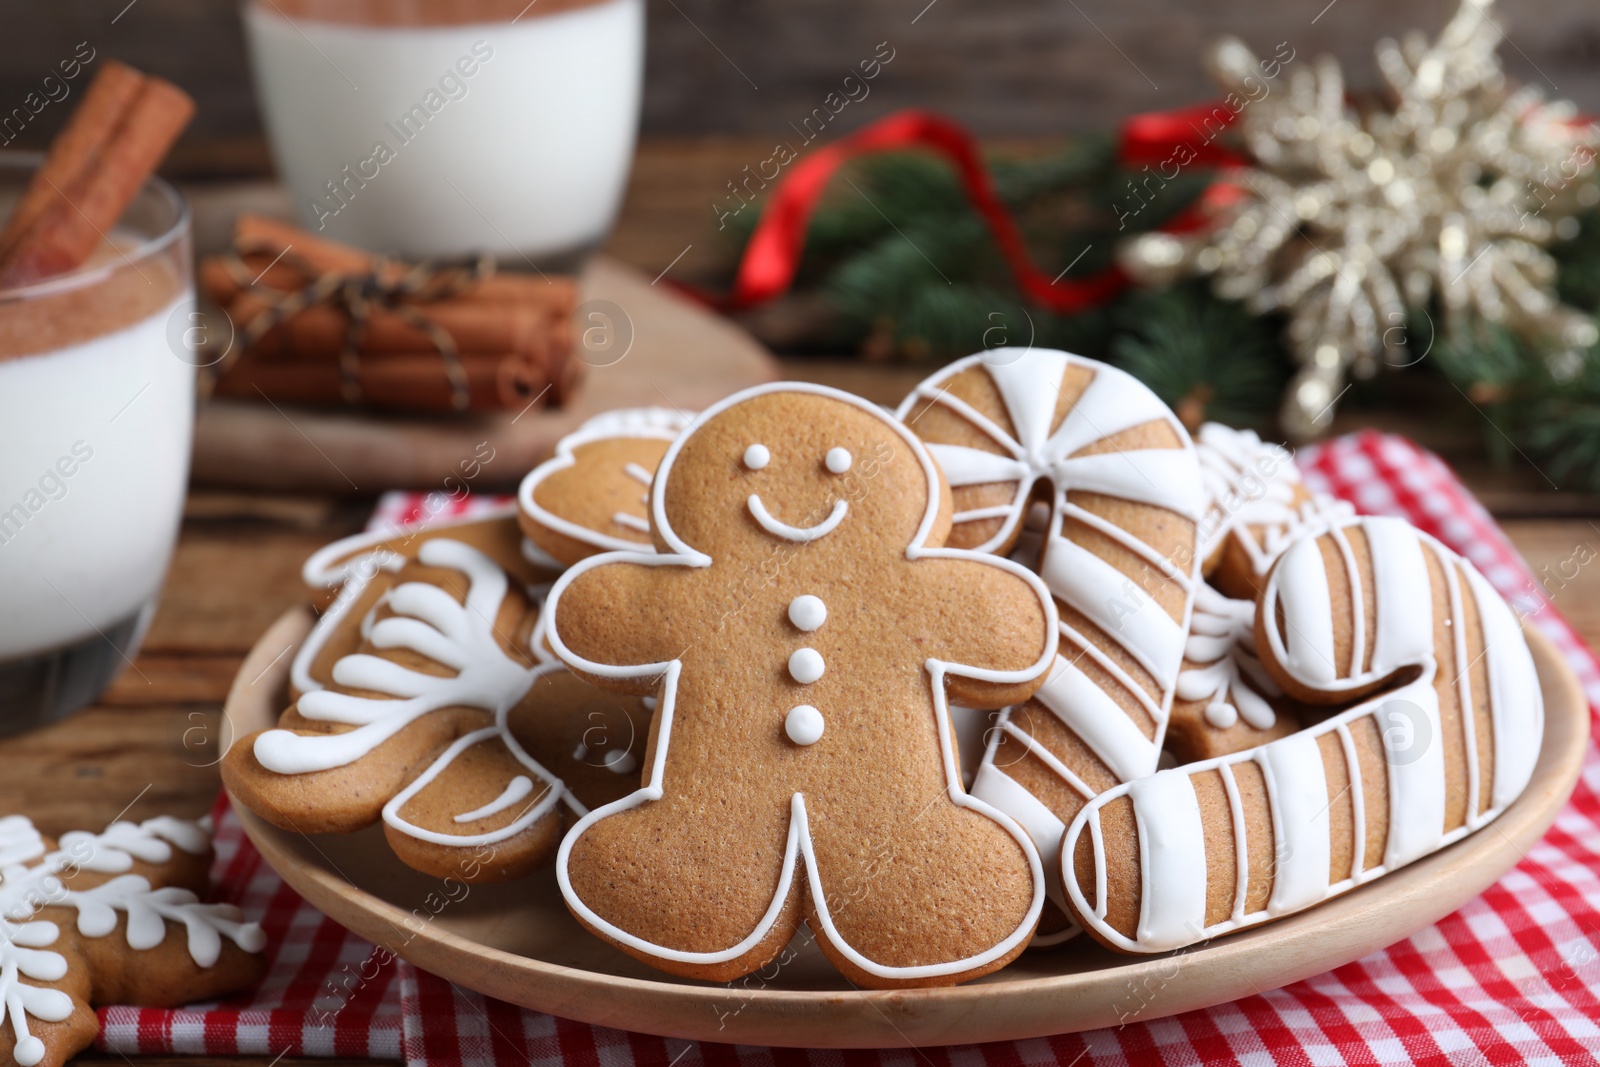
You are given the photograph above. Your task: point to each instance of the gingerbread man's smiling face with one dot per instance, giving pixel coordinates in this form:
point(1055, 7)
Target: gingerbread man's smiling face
point(782, 471)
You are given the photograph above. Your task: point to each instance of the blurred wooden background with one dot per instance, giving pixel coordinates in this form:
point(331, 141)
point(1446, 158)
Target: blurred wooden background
point(749, 67)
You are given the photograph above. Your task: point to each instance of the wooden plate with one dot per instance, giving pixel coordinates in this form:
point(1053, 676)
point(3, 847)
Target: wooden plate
point(518, 943)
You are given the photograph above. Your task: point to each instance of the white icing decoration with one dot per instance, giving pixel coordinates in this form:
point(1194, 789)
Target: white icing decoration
point(656, 424)
point(838, 460)
point(798, 848)
point(632, 522)
point(1251, 487)
point(1172, 844)
point(620, 761)
point(995, 787)
point(801, 534)
point(1224, 670)
point(516, 790)
point(456, 635)
point(1294, 768)
point(351, 563)
point(803, 724)
point(756, 457)
point(27, 886)
point(1074, 698)
point(1297, 796)
point(807, 612)
point(806, 666)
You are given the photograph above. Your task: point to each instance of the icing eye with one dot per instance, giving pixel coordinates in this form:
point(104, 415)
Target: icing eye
point(756, 457)
point(838, 460)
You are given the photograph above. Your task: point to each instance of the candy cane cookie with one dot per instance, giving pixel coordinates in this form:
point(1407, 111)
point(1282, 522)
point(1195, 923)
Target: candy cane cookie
point(1013, 427)
point(1446, 737)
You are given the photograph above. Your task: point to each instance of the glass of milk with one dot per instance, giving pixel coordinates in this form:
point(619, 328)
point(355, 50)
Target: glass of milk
point(444, 128)
point(96, 415)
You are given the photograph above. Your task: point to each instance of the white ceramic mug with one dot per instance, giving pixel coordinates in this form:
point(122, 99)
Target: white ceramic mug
point(96, 418)
point(434, 129)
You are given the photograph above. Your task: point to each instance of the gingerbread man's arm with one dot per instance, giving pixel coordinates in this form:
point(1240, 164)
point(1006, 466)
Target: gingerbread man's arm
point(619, 619)
point(990, 622)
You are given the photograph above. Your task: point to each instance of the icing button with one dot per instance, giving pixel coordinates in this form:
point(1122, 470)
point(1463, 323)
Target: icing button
point(756, 457)
point(838, 460)
point(807, 612)
point(803, 724)
point(806, 665)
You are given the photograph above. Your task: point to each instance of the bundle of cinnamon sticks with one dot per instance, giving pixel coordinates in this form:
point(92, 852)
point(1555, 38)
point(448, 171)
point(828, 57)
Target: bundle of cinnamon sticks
point(97, 164)
point(509, 333)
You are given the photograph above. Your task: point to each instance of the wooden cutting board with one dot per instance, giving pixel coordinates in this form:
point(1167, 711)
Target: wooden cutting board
point(679, 356)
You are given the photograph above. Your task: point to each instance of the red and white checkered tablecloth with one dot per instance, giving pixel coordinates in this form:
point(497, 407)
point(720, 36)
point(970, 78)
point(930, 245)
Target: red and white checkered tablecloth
point(1513, 977)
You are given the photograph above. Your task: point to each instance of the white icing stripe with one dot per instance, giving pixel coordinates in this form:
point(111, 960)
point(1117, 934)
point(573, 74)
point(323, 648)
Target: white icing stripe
point(1103, 725)
point(999, 511)
point(1163, 477)
point(637, 473)
point(999, 790)
point(631, 522)
point(1098, 842)
point(1157, 712)
point(1358, 802)
point(1045, 756)
point(1297, 794)
point(1241, 843)
point(1172, 860)
point(1116, 533)
point(1404, 596)
point(1117, 605)
point(1113, 402)
point(1307, 614)
point(1408, 719)
point(1358, 599)
point(518, 789)
point(972, 466)
point(1030, 388)
point(1516, 704)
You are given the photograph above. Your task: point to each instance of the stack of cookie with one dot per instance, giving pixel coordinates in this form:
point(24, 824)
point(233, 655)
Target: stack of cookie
point(725, 670)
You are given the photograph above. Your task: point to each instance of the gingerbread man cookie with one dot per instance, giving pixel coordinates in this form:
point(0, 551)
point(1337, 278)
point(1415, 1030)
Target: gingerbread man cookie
point(1446, 739)
point(1123, 491)
point(109, 918)
point(806, 629)
point(591, 495)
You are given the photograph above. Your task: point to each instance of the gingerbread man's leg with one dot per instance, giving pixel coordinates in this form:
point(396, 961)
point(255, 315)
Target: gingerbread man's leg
point(946, 892)
point(632, 870)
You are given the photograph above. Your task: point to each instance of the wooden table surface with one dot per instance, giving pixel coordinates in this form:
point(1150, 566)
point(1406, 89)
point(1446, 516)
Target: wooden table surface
point(151, 745)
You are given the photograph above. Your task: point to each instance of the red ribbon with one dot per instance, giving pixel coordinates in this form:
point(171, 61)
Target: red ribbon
point(772, 257)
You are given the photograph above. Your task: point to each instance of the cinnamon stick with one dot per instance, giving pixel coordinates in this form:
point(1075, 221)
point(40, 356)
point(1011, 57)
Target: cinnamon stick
point(320, 332)
point(63, 235)
point(268, 237)
point(76, 148)
point(401, 383)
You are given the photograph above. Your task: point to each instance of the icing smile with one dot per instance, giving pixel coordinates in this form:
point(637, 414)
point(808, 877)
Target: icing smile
point(797, 533)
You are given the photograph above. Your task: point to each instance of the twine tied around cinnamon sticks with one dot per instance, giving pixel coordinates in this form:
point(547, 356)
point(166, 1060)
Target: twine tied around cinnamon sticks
point(389, 285)
point(324, 324)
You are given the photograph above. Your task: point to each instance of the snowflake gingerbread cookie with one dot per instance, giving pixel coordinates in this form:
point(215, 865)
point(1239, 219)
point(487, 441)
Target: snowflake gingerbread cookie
point(806, 629)
point(1446, 737)
point(109, 918)
point(1020, 431)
